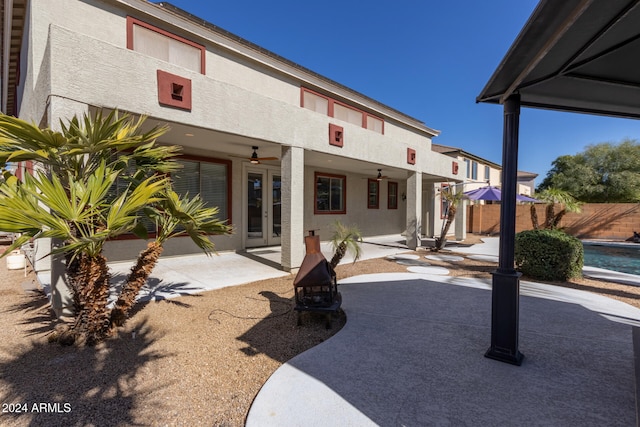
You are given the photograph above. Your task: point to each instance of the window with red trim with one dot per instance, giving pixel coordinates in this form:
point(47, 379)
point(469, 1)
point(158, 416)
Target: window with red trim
point(208, 177)
point(373, 194)
point(330, 193)
point(158, 43)
point(392, 195)
point(325, 105)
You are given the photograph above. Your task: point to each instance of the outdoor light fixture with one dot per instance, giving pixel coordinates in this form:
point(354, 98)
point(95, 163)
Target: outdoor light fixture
point(379, 178)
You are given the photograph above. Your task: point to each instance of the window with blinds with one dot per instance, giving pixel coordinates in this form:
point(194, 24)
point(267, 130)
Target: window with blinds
point(209, 179)
point(160, 44)
point(121, 186)
point(339, 110)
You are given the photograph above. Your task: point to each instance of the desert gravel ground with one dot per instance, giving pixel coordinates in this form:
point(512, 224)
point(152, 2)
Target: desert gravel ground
point(191, 361)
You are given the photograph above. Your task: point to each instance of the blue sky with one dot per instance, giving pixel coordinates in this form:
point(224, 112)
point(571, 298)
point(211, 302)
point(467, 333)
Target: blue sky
point(426, 58)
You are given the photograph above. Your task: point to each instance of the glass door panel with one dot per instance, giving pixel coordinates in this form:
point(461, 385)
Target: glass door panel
point(263, 207)
point(255, 190)
point(276, 209)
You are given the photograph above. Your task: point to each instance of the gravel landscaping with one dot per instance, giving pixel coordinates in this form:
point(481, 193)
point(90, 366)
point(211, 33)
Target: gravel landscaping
point(193, 360)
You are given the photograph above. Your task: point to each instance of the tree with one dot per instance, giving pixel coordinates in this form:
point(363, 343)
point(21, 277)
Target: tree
point(452, 199)
point(345, 239)
point(601, 173)
point(98, 178)
point(552, 196)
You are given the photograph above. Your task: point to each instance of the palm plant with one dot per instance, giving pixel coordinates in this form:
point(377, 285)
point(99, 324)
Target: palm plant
point(72, 199)
point(175, 216)
point(551, 196)
point(345, 239)
point(453, 199)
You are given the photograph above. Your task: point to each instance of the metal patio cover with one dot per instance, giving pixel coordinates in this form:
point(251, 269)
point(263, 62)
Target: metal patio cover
point(574, 55)
point(571, 55)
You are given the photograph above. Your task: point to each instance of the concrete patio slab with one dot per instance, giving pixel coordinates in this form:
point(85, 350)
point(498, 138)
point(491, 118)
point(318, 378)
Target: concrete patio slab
point(412, 351)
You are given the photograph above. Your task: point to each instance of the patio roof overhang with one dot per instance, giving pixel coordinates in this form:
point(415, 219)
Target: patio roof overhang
point(572, 55)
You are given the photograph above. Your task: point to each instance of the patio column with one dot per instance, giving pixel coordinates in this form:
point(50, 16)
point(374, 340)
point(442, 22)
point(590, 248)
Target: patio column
point(292, 236)
point(505, 294)
point(460, 224)
point(414, 210)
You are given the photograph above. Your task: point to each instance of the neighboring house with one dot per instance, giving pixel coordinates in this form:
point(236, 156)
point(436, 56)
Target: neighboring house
point(527, 182)
point(475, 171)
point(222, 96)
point(478, 172)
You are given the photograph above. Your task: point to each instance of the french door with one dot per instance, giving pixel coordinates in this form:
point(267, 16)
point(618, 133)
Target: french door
point(262, 206)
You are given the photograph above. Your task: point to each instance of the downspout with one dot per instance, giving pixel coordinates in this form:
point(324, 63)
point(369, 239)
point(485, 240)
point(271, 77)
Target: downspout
point(6, 50)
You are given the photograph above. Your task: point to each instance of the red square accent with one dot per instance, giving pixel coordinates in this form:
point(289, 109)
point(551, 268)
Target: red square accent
point(336, 135)
point(411, 156)
point(454, 168)
point(174, 91)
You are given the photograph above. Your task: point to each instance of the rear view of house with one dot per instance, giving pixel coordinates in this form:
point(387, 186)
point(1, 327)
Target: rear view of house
point(278, 148)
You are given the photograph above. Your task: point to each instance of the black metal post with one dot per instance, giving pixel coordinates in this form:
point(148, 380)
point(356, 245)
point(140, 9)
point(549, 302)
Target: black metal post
point(505, 294)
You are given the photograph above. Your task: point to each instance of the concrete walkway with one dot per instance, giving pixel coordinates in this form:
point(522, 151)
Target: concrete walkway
point(412, 354)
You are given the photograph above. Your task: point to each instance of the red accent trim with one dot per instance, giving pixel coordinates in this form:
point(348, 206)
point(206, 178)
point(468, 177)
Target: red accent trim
point(315, 193)
point(131, 21)
point(377, 205)
point(19, 171)
point(391, 185)
point(174, 91)
point(411, 156)
point(331, 103)
point(336, 135)
point(454, 168)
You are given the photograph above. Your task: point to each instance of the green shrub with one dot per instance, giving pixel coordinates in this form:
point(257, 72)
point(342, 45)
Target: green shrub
point(549, 255)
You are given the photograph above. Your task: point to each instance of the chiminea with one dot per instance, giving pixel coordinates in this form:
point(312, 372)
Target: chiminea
point(315, 284)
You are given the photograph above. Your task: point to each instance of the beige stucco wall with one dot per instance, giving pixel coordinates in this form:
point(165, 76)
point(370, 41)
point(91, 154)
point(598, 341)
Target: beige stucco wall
point(77, 56)
point(370, 222)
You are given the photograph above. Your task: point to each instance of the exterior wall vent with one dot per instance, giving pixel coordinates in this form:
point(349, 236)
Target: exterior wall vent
point(411, 156)
point(336, 135)
point(174, 91)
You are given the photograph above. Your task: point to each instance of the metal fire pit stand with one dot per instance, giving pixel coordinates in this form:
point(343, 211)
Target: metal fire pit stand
point(316, 287)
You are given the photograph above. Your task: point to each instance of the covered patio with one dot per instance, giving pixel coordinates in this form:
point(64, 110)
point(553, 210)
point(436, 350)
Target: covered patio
point(579, 56)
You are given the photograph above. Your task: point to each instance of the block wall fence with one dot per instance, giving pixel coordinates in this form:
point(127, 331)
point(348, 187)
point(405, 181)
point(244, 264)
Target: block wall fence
point(607, 221)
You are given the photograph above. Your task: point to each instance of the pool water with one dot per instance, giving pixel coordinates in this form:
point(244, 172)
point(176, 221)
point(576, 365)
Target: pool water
point(625, 259)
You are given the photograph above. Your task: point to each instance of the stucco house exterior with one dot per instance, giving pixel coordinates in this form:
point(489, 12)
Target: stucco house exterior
point(479, 172)
point(322, 144)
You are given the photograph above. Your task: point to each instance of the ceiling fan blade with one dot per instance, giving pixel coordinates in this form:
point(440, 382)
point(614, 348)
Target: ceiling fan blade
point(268, 158)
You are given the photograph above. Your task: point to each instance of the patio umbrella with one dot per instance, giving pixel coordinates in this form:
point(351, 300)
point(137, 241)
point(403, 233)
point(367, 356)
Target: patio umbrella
point(484, 193)
point(493, 194)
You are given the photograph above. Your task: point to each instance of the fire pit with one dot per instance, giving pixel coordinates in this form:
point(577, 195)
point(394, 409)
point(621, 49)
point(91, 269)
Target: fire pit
point(315, 284)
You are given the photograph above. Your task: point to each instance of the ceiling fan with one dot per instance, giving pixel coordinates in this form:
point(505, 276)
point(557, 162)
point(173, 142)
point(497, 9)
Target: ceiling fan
point(254, 159)
point(379, 177)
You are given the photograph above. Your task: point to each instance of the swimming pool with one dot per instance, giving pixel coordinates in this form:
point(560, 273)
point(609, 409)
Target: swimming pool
point(623, 258)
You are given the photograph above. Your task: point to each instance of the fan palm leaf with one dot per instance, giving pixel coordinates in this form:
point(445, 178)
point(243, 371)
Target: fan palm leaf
point(345, 239)
point(96, 178)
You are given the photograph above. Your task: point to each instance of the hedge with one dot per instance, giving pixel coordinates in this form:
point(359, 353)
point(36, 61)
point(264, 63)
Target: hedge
point(549, 255)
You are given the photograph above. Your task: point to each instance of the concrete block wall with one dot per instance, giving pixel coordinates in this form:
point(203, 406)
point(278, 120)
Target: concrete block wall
point(609, 221)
